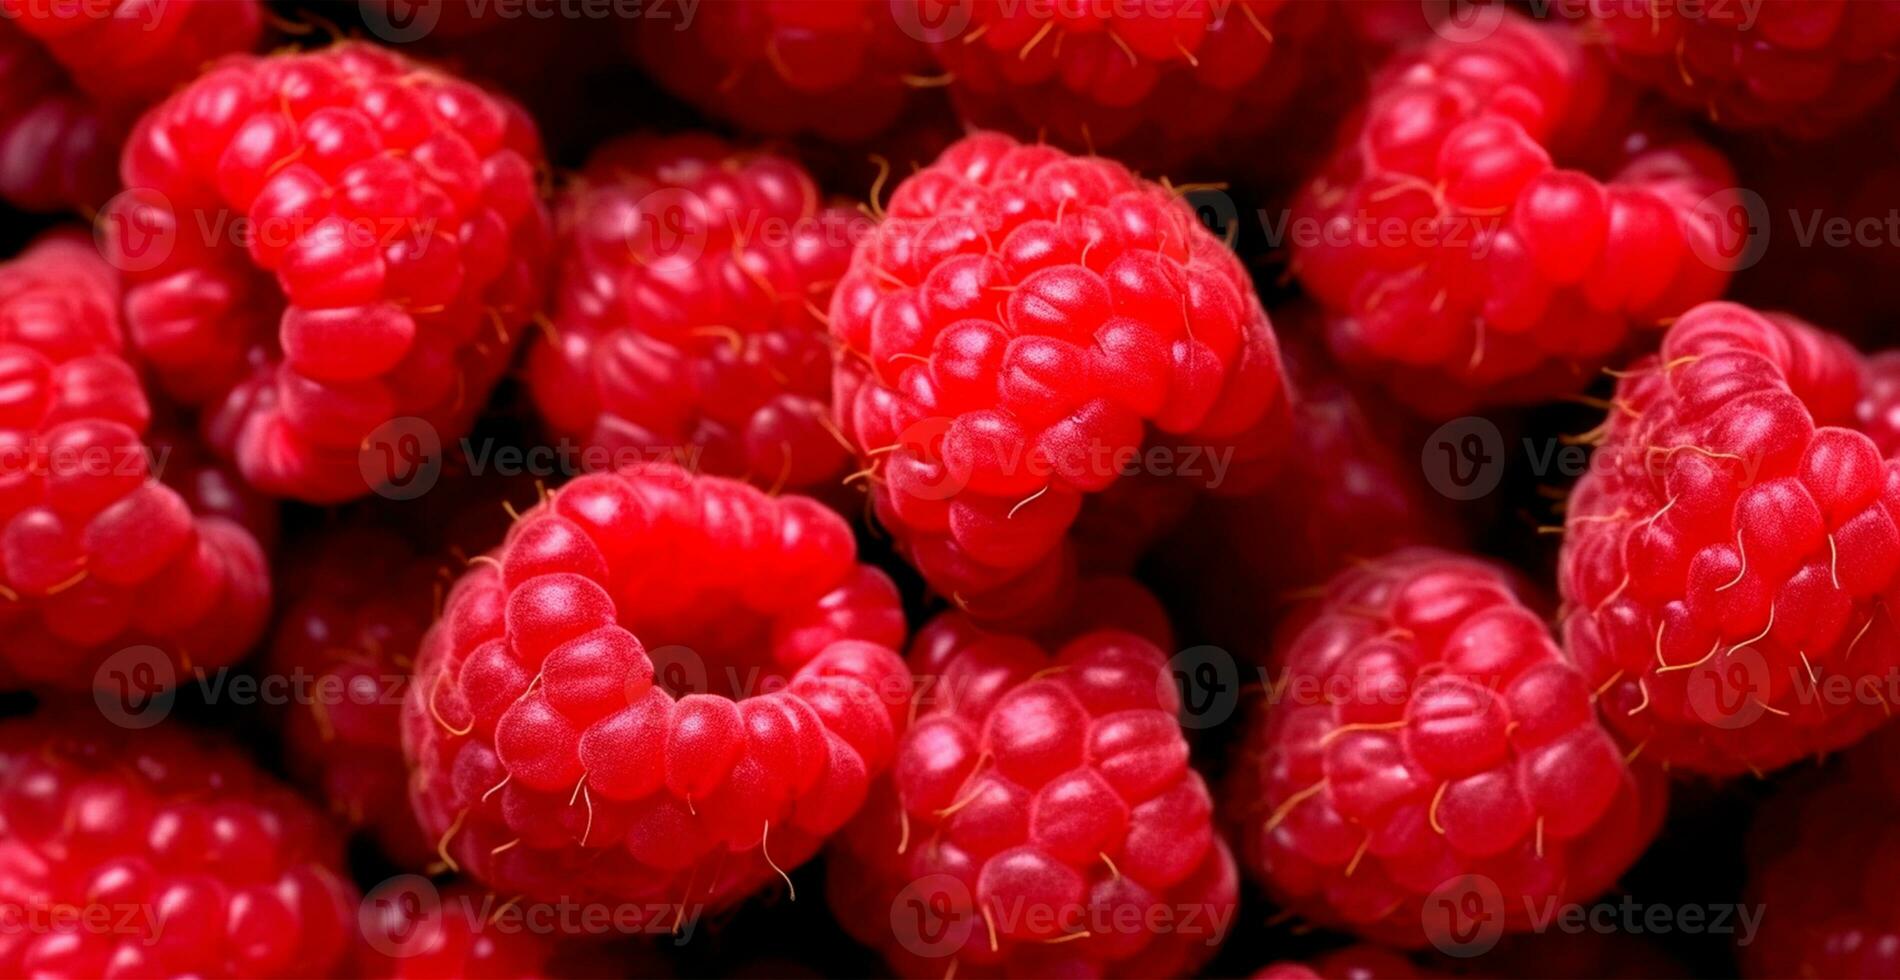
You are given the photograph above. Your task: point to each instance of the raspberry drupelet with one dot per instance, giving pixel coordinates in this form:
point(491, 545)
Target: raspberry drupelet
point(843, 70)
point(226, 872)
point(661, 689)
point(1822, 856)
point(1729, 555)
point(1462, 261)
point(688, 313)
point(319, 243)
point(1021, 328)
point(1426, 736)
point(74, 76)
point(1155, 84)
point(1799, 67)
point(1041, 819)
point(97, 555)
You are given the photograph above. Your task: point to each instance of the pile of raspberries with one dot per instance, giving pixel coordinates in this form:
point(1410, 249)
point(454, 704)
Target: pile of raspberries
point(996, 488)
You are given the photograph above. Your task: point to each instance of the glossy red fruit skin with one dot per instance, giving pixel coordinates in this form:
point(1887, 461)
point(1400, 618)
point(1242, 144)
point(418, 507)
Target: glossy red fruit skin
point(449, 934)
point(1460, 259)
point(1804, 69)
point(96, 554)
point(688, 327)
point(176, 827)
point(1426, 731)
point(1727, 555)
point(318, 243)
point(727, 720)
point(1155, 85)
point(1044, 793)
point(1820, 855)
point(843, 70)
point(74, 76)
point(1014, 334)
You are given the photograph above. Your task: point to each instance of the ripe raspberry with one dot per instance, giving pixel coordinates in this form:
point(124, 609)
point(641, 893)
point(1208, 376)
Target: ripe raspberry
point(1153, 83)
point(1803, 68)
point(1878, 413)
point(96, 555)
point(1821, 859)
point(556, 754)
point(688, 312)
point(210, 486)
point(1041, 820)
point(1727, 556)
point(319, 243)
point(363, 594)
point(1460, 265)
point(76, 75)
point(413, 932)
point(845, 70)
point(1427, 734)
point(200, 864)
point(1018, 329)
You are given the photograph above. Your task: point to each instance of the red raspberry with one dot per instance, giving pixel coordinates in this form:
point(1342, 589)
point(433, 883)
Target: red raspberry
point(411, 931)
point(210, 485)
point(1462, 264)
point(688, 313)
point(202, 865)
point(1822, 856)
point(1426, 734)
point(96, 555)
point(1878, 413)
point(1018, 328)
point(363, 596)
point(556, 754)
point(1728, 554)
point(1154, 83)
point(845, 70)
point(1041, 820)
point(1801, 67)
point(75, 75)
point(320, 243)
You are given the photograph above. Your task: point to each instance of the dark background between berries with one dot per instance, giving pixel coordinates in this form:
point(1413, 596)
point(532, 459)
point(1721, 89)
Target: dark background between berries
point(1697, 860)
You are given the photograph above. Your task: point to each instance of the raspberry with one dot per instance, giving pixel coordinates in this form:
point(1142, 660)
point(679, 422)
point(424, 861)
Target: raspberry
point(202, 864)
point(364, 593)
point(1041, 820)
point(692, 283)
point(75, 77)
point(1803, 68)
point(1728, 553)
point(456, 933)
point(1018, 330)
point(1878, 413)
point(842, 69)
point(1152, 83)
point(1463, 263)
point(320, 243)
point(1427, 734)
point(561, 728)
point(210, 485)
point(96, 555)
point(1821, 858)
